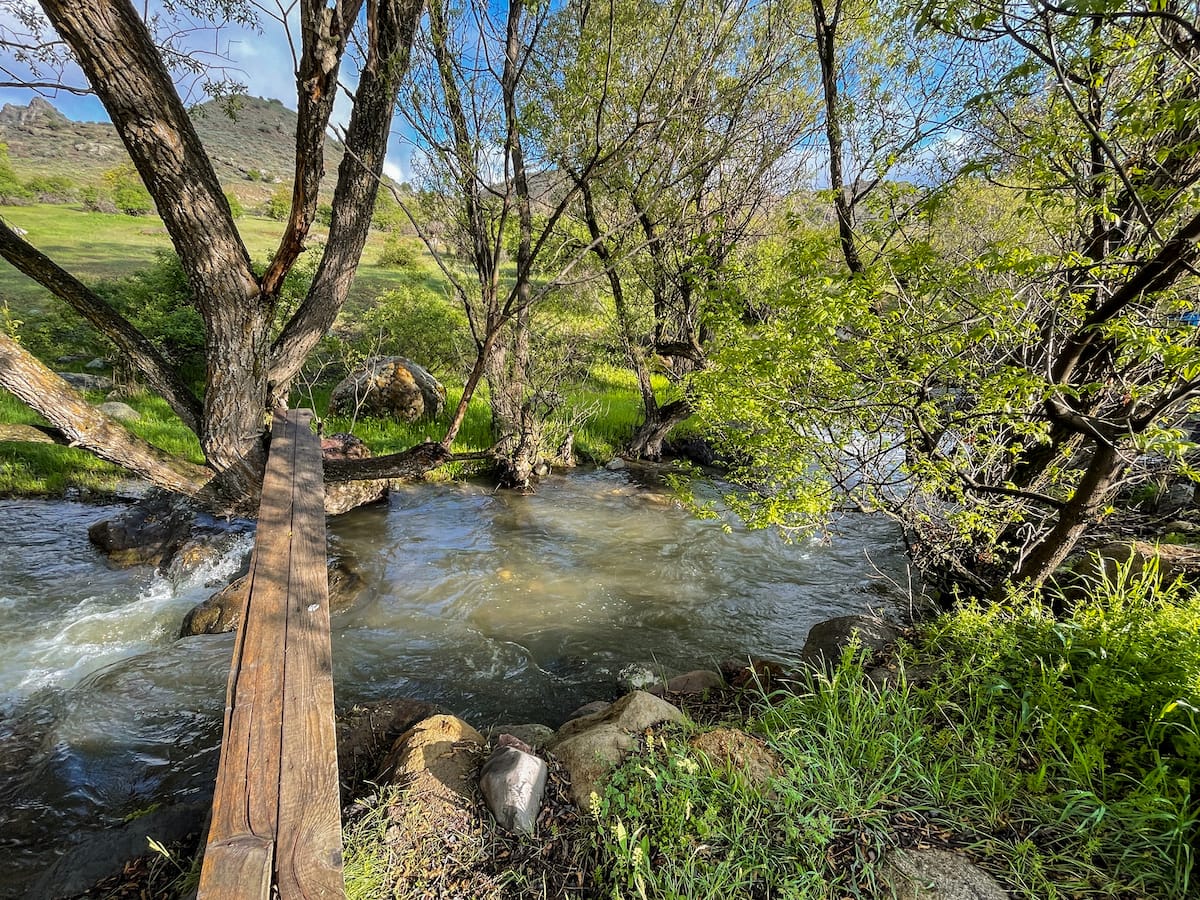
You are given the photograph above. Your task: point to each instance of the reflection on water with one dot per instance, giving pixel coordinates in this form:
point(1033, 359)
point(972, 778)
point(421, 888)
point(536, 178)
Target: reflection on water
point(499, 606)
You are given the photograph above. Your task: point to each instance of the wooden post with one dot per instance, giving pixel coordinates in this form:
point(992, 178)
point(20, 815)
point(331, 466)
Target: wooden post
point(276, 810)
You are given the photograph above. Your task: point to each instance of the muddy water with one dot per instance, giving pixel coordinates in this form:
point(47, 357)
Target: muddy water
point(500, 607)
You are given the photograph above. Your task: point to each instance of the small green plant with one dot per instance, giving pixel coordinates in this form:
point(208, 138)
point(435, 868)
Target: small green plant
point(399, 253)
point(235, 205)
point(279, 204)
point(128, 193)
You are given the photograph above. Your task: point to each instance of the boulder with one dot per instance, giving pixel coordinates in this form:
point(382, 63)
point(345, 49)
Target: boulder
point(635, 712)
point(590, 747)
point(826, 640)
point(616, 464)
point(590, 756)
point(589, 709)
point(740, 753)
point(1173, 561)
point(389, 387)
point(691, 684)
point(82, 382)
point(122, 412)
point(343, 445)
point(937, 875)
point(435, 762)
point(222, 611)
point(366, 733)
point(97, 364)
point(149, 532)
point(24, 434)
point(513, 782)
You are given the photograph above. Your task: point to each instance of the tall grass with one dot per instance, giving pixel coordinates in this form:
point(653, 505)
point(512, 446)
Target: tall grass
point(1059, 755)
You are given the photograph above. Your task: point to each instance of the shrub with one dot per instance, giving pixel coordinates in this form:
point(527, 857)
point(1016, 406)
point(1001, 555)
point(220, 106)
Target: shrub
point(235, 205)
point(399, 253)
point(279, 204)
point(11, 189)
point(96, 200)
point(51, 188)
point(128, 193)
point(417, 324)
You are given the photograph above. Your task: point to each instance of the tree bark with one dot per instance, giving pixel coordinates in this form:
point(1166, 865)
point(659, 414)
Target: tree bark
point(89, 429)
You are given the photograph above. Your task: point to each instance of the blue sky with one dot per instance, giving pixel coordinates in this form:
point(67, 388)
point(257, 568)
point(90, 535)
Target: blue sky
point(261, 60)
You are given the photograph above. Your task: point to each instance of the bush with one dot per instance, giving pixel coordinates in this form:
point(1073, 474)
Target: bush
point(399, 253)
point(128, 193)
point(279, 204)
point(96, 200)
point(419, 325)
point(51, 188)
point(235, 205)
point(11, 189)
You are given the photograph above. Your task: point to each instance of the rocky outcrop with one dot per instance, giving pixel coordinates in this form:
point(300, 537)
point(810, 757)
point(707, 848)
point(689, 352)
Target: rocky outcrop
point(389, 387)
point(937, 875)
point(148, 533)
point(592, 746)
point(122, 412)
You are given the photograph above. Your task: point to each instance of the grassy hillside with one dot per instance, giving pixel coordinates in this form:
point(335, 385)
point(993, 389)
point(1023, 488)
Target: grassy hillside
point(253, 152)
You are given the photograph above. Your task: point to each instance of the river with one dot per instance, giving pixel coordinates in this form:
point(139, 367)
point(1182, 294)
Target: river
point(501, 607)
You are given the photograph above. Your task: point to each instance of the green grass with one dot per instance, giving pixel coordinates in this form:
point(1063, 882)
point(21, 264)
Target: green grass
point(98, 246)
point(49, 470)
point(1060, 756)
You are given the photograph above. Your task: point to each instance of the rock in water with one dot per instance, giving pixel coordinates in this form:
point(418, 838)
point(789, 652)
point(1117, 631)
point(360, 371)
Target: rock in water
point(513, 783)
point(389, 387)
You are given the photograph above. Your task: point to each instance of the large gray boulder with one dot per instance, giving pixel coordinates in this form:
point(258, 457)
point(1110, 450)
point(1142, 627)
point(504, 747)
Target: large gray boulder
point(222, 611)
point(389, 387)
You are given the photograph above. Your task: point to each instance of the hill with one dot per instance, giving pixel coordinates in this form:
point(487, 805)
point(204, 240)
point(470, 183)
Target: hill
point(252, 152)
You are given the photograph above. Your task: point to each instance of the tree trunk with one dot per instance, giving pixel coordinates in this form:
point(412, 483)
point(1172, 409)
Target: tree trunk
point(647, 441)
point(87, 428)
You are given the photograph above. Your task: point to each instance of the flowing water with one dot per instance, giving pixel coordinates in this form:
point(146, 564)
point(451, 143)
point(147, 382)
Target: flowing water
point(501, 607)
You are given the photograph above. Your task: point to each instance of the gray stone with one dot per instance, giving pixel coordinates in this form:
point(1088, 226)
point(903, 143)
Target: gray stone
point(513, 783)
point(592, 746)
point(691, 684)
point(590, 756)
point(937, 875)
point(343, 496)
point(531, 733)
point(148, 533)
point(122, 412)
point(389, 387)
point(638, 677)
point(635, 712)
point(590, 709)
point(97, 363)
point(82, 382)
point(616, 464)
point(826, 640)
point(222, 611)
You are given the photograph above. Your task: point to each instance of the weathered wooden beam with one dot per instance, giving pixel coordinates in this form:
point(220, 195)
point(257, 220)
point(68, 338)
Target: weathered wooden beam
point(276, 817)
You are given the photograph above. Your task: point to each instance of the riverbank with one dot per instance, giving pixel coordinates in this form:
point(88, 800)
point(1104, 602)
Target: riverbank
point(1001, 749)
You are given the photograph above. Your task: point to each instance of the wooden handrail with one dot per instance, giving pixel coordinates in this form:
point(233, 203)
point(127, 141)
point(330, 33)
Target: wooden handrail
point(276, 817)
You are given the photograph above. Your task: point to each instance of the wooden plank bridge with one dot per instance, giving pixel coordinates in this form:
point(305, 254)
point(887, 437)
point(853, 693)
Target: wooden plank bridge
point(276, 820)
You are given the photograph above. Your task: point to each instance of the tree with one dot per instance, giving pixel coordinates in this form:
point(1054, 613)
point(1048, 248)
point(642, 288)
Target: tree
point(994, 376)
point(250, 358)
point(723, 84)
